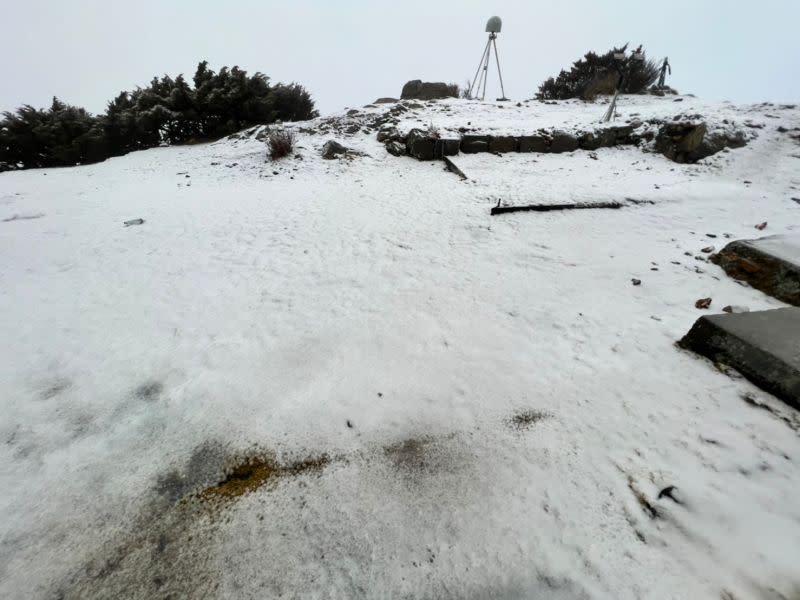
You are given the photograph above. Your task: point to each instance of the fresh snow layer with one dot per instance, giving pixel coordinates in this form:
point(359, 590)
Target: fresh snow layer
point(785, 247)
point(260, 307)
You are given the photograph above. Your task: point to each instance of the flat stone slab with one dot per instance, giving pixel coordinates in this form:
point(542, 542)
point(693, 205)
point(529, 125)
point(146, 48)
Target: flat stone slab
point(764, 346)
point(770, 264)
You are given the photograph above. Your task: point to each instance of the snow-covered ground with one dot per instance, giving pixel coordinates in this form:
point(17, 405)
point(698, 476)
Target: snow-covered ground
point(515, 404)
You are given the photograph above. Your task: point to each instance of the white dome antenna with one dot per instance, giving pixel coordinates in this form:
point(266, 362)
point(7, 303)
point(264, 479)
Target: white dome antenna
point(493, 26)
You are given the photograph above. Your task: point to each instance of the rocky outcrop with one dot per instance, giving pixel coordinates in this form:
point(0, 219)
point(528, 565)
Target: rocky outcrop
point(420, 145)
point(681, 141)
point(770, 264)
point(424, 90)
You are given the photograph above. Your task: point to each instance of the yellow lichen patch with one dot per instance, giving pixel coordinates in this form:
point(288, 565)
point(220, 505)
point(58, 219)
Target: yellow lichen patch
point(254, 472)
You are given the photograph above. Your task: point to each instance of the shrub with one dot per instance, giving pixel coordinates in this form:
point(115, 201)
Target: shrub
point(597, 74)
point(167, 111)
point(280, 143)
point(463, 91)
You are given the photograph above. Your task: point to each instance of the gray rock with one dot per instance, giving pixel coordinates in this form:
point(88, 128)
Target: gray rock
point(770, 264)
point(332, 149)
point(533, 143)
point(471, 144)
point(388, 134)
point(503, 144)
point(395, 148)
point(446, 147)
point(764, 346)
point(423, 90)
point(354, 128)
point(563, 142)
point(680, 141)
point(420, 145)
point(385, 101)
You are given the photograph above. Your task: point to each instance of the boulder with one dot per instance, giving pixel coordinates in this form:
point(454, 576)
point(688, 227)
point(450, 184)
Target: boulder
point(762, 345)
point(424, 90)
point(395, 148)
point(770, 264)
point(420, 145)
point(332, 149)
point(471, 144)
point(680, 141)
point(385, 101)
point(388, 133)
point(446, 147)
point(533, 143)
point(563, 142)
point(503, 144)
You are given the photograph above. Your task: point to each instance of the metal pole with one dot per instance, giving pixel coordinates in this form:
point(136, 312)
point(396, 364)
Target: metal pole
point(480, 66)
point(486, 68)
point(499, 74)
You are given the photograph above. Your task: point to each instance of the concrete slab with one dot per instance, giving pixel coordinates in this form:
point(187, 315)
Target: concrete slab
point(764, 346)
point(770, 264)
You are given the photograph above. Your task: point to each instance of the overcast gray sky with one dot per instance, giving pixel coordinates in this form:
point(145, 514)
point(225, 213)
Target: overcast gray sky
point(348, 53)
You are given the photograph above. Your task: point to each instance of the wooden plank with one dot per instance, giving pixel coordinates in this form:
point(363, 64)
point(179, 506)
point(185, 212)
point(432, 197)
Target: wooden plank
point(498, 210)
point(451, 166)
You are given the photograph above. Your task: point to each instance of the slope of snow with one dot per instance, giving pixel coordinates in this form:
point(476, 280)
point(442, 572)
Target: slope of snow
point(261, 307)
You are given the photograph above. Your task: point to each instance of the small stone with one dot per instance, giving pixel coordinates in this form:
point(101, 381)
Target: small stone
point(349, 423)
point(703, 303)
point(761, 226)
point(635, 281)
point(711, 235)
point(708, 249)
point(734, 309)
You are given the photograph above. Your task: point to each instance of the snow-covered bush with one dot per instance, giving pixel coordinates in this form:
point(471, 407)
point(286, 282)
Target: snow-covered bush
point(280, 143)
point(598, 74)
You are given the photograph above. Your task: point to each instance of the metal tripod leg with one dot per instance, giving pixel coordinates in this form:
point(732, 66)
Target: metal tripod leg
point(499, 73)
point(482, 66)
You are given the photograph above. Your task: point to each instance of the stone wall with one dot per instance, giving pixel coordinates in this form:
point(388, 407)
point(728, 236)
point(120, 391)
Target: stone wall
point(678, 141)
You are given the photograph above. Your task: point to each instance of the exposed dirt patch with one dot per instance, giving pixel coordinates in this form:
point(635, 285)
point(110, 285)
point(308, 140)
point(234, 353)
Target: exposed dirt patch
point(646, 505)
point(149, 391)
point(525, 419)
point(254, 472)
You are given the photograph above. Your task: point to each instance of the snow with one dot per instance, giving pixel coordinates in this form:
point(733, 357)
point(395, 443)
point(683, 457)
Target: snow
point(254, 311)
point(785, 247)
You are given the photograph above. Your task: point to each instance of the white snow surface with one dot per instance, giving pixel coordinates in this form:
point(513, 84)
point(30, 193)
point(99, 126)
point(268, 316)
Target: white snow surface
point(255, 312)
point(786, 247)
